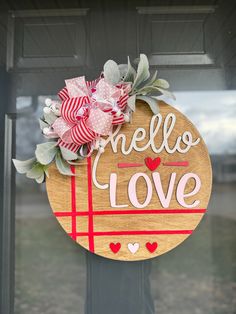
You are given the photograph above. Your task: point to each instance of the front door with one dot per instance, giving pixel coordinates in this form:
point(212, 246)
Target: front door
point(44, 43)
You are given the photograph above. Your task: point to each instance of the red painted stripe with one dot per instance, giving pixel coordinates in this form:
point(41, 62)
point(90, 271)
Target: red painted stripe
point(90, 205)
point(135, 232)
point(73, 204)
point(128, 165)
point(69, 214)
point(177, 163)
point(132, 211)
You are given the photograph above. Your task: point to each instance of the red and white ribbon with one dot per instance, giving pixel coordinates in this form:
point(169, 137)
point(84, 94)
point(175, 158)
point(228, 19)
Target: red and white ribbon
point(89, 110)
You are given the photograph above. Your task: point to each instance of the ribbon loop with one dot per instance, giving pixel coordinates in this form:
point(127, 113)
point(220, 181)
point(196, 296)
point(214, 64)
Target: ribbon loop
point(99, 121)
point(81, 134)
point(70, 108)
point(89, 110)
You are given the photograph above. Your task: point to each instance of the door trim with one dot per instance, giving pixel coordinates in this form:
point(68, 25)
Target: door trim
point(8, 220)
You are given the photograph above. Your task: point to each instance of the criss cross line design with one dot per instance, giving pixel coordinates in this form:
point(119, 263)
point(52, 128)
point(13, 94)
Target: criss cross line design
point(90, 213)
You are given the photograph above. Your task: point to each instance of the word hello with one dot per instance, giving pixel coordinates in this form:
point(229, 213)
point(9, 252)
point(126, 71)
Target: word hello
point(140, 134)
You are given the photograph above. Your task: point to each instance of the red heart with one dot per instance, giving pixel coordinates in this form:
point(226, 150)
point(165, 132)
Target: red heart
point(151, 246)
point(115, 247)
point(152, 164)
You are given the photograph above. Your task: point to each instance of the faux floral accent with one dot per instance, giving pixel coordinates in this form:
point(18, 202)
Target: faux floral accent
point(89, 110)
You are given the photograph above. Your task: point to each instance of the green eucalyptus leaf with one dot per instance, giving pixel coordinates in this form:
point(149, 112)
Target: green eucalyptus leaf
point(40, 179)
point(36, 171)
point(111, 72)
point(161, 83)
point(148, 89)
point(153, 90)
point(62, 166)
point(152, 102)
point(83, 151)
point(22, 166)
point(79, 157)
point(131, 102)
point(136, 61)
point(50, 117)
point(43, 124)
point(166, 93)
point(68, 154)
point(142, 71)
point(153, 78)
point(46, 152)
point(131, 73)
point(46, 171)
point(146, 83)
point(123, 69)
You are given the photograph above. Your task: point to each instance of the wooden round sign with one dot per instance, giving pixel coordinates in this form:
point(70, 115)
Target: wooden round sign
point(144, 195)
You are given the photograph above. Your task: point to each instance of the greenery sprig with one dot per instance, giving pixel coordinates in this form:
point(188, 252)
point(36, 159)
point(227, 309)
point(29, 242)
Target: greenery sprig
point(143, 87)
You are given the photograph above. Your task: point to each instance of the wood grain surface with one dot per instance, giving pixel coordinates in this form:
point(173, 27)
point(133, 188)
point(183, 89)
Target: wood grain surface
point(115, 232)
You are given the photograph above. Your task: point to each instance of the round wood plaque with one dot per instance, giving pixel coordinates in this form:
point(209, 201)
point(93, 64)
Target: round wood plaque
point(144, 195)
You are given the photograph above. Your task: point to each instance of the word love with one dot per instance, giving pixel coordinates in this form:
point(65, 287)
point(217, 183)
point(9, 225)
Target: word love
point(165, 199)
point(161, 130)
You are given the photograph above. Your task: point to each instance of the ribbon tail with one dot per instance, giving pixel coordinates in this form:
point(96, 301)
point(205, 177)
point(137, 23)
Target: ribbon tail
point(70, 146)
point(122, 102)
point(81, 134)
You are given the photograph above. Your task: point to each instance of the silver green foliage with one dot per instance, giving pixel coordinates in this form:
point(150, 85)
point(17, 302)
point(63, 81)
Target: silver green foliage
point(32, 168)
point(46, 152)
point(68, 154)
point(143, 87)
point(37, 173)
point(141, 83)
point(22, 166)
point(152, 102)
point(43, 124)
point(130, 74)
point(62, 166)
point(50, 117)
point(111, 72)
point(142, 72)
point(131, 102)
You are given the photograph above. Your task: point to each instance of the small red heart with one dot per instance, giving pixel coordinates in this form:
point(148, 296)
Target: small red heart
point(151, 246)
point(152, 164)
point(115, 247)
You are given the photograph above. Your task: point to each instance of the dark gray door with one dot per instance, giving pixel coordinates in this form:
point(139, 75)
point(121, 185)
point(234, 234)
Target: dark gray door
point(42, 44)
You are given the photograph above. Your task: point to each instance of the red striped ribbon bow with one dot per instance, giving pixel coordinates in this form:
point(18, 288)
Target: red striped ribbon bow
point(88, 110)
